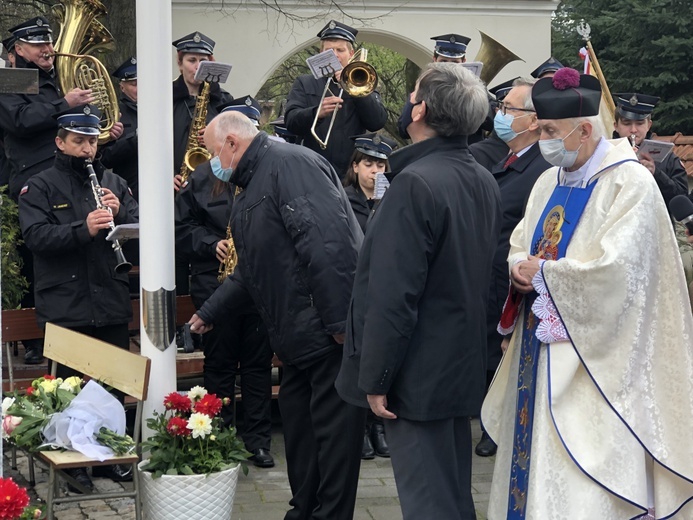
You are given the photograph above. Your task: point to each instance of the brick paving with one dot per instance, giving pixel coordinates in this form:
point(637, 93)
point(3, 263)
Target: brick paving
point(264, 493)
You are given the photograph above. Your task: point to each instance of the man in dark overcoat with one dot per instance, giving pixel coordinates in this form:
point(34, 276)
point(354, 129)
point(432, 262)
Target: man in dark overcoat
point(416, 333)
point(297, 242)
point(516, 124)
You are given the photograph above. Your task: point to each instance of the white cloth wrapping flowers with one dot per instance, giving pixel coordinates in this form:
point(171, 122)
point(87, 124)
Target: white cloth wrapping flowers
point(76, 427)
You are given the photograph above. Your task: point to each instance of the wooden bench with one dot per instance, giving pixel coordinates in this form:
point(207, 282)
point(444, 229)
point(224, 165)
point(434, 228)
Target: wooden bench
point(20, 324)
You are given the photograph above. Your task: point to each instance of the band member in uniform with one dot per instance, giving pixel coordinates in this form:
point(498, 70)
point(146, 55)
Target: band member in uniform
point(280, 130)
point(121, 155)
point(239, 343)
point(192, 49)
point(369, 158)
point(547, 69)
point(297, 241)
point(76, 283)
point(516, 124)
point(634, 118)
point(8, 46)
point(354, 116)
point(29, 129)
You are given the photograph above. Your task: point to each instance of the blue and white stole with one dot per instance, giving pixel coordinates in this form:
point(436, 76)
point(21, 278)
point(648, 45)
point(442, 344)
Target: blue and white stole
point(551, 238)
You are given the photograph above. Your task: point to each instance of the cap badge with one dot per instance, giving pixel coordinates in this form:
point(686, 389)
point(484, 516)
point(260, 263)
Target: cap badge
point(452, 39)
point(197, 38)
point(333, 24)
point(39, 22)
point(133, 60)
point(87, 111)
point(551, 60)
point(633, 100)
point(376, 140)
point(248, 102)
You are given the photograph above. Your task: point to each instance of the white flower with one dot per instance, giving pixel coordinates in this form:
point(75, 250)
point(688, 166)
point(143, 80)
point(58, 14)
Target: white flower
point(196, 393)
point(71, 384)
point(200, 425)
point(6, 403)
point(9, 423)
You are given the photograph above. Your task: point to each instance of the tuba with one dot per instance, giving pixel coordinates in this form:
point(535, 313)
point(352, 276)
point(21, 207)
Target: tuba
point(194, 153)
point(81, 34)
point(494, 56)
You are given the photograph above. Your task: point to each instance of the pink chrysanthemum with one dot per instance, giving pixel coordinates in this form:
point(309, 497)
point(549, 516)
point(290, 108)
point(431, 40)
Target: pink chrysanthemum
point(566, 78)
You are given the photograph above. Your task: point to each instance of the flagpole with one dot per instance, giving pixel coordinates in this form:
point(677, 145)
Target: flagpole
point(155, 166)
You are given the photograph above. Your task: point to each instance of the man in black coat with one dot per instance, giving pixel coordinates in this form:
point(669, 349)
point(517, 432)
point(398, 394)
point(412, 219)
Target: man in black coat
point(239, 343)
point(121, 155)
point(355, 115)
point(297, 242)
point(633, 117)
point(416, 335)
point(515, 123)
point(76, 283)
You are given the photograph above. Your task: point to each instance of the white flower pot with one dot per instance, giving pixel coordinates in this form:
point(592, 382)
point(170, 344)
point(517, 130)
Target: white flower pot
point(188, 497)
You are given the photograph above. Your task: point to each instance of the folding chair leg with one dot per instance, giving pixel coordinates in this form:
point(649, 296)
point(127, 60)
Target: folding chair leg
point(32, 477)
point(138, 498)
point(52, 492)
point(13, 451)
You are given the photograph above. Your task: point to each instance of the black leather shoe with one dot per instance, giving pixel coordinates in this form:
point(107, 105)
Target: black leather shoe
point(33, 356)
point(82, 477)
point(378, 439)
point(262, 458)
point(115, 472)
point(486, 446)
point(367, 451)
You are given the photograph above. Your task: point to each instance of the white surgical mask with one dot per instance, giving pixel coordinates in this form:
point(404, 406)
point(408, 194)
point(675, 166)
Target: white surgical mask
point(555, 153)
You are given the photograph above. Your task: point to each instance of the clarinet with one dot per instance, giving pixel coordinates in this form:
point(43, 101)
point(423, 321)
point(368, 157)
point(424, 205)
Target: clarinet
point(123, 265)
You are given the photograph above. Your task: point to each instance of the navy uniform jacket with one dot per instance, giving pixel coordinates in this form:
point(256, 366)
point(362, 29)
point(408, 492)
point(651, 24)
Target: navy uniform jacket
point(416, 330)
point(201, 220)
point(184, 109)
point(357, 116)
point(359, 204)
point(297, 242)
point(515, 183)
point(30, 128)
point(74, 274)
point(671, 178)
point(121, 155)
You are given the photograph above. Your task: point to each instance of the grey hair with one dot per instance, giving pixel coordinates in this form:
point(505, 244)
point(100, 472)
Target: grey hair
point(456, 100)
point(526, 82)
point(598, 130)
point(233, 122)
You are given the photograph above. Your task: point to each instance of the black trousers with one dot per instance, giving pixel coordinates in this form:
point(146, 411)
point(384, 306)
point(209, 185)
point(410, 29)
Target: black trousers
point(117, 335)
point(241, 341)
point(323, 437)
point(432, 462)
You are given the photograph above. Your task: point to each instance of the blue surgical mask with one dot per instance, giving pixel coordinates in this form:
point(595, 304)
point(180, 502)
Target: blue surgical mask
point(555, 153)
point(503, 124)
point(223, 174)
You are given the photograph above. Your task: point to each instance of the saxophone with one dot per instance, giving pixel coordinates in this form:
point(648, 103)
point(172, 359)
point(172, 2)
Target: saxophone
point(227, 267)
point(194, 153)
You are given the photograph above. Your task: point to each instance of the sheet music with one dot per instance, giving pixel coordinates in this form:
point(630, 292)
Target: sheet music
point(381, 185)
point(124, 232)
point(324, 64)
point(474, 67)
point(213, 72)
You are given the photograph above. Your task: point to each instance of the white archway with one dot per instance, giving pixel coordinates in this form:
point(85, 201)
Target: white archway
point(256, 41)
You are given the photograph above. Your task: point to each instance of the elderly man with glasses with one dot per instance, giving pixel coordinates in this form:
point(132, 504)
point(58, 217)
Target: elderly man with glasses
point(516, 124)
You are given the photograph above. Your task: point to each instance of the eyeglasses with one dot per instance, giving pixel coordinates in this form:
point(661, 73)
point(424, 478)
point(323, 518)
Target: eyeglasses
point(504, 109)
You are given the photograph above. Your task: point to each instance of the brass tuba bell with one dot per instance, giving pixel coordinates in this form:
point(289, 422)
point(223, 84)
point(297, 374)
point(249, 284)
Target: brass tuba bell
point(494, 56)
point(80, 35)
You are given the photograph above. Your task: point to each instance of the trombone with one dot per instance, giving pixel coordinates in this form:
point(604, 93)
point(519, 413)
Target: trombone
point(358, 79)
